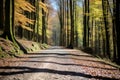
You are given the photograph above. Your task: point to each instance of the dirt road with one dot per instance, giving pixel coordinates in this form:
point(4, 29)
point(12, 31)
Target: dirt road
point(57, 63)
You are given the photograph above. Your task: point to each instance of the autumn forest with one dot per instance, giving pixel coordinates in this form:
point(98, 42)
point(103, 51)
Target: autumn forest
point(91, 26)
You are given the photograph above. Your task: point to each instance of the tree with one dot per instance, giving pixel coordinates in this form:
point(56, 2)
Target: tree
point(44, 25)
point(37, 24)
point(107, 33)
point(86, 24)
point(75, 23)
point(1, 14)
point(71, 45)
point(117, 20)
point(60, 15)
point(68, 22)
point(9, 20)
point(23, 24)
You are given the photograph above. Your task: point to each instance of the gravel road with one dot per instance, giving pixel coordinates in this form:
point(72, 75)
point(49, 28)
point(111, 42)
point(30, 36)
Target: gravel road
point(51, 64)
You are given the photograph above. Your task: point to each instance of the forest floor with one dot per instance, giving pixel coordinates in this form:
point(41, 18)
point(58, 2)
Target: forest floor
point(10, 49)
point(57, 63)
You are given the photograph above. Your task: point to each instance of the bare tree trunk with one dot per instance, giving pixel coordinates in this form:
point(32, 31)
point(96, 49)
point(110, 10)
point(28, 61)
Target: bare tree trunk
point(61, 22)
point(114, 31)
point(43, 25)
point(68, 32)
point(1, 14)
point(117, 19)
point(86, 24)
point(76, 27)
point(105, 14)
point(72, 24)
point(9, 20)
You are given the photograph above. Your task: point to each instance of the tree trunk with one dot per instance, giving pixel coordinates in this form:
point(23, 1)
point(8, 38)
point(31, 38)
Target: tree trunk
point(61, 22)
point(37, 19)
point(9, 20)
point(72, 24)
point(86, 24)
point(105, 14)
point(43, 24)
point(1, 14)
point(76, 27)
point(114, 31)
point(68, 14)
point(117, 18)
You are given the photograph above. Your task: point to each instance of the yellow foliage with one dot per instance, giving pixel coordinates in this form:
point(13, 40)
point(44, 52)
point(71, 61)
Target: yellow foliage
point(23, 5)
point(44, 6)
point(20, 19)
point(96, 9)
point(27, 28)
point(49, 33)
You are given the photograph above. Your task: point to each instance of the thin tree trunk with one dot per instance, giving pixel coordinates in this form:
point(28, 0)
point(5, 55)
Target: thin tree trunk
point(68, 36)
point(1, 14)
point(105, 14)
point(72, 25)
point(88, 28)
point(117, 18)
point(43, 25)
point(76, 27)
point(86, 24)
point(114, 31)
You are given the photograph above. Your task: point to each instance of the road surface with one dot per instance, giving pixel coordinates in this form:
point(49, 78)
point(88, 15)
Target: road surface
point(55, 63)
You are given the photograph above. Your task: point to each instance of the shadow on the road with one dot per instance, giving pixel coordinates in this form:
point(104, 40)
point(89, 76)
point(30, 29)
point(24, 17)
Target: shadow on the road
point(60, 54)
point(61, 57)
point(66, 57)
point(65, 64)
point(56, 47)
point(45, 70)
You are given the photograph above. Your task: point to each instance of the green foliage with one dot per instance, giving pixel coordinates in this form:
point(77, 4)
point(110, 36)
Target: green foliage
point(96, 9)
point(79, 24)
